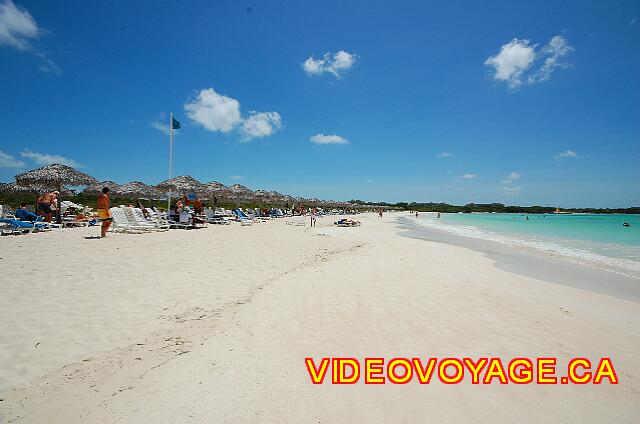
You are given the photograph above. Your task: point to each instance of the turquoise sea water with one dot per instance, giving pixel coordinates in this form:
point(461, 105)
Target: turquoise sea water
point(597, 239)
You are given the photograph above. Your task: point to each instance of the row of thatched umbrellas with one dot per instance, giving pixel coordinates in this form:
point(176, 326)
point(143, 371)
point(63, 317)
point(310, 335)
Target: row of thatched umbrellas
point(54, 176)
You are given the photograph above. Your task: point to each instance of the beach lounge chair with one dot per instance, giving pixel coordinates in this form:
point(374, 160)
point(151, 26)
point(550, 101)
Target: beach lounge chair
point(72, 221)
point(122, 224)
point(213, 218)
point(183, 222)
point(157, 216)
point(240, 216)
point(131, 218)
point(16, 227)
point(29, 217)
point(152, 217)
point(136, 217)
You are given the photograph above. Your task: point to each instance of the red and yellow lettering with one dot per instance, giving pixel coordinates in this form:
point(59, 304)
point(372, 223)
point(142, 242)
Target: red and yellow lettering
point(373, 368)
point(316, 374)
point(340, 365)
point(576, 378)
point(605, 369)
point(520, 370)
point(495, 369)
point(442, 371)
point(546, 366)
point(475, 368)
point(391, 370)
point(424, 373)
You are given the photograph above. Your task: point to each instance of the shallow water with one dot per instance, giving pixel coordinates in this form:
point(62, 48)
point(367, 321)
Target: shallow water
point(599, 240)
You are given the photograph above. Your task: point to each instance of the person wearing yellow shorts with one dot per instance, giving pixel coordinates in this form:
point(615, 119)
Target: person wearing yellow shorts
point(103, 212)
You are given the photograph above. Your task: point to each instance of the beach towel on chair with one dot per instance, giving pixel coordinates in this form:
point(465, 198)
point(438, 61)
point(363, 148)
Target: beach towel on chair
point(25, 215)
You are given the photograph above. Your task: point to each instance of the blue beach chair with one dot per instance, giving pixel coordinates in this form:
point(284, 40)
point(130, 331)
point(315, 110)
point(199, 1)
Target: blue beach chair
point(15, 226)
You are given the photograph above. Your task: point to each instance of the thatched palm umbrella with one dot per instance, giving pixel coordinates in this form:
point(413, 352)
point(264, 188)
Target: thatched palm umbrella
point(55, 176)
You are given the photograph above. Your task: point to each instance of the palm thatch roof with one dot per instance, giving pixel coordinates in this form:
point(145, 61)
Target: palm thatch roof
point(240, 189)
point(183, 184)
point(215, 186)
point(54, 175)
point(96, 188)
point(137, 189)
point(15, 188)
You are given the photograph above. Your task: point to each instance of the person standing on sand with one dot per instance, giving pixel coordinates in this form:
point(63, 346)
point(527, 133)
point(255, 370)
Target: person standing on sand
point(103, 212)
point(45, 203)
point(198, 207)
point(313, 216)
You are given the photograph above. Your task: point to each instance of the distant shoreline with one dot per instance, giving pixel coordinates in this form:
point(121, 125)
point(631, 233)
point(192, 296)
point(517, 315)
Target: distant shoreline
point(534, 264)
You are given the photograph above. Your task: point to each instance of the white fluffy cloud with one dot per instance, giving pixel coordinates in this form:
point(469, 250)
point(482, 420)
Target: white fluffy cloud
point(328, 139)
point(513, 60)
point(445, 155)
point(514, 64)
point(237, 177)
point(333, 63)
point(469, 176)
point(47, 159)
point(215, 112)
point(261, 124)
point(566, 154)
point(8, 161)
point(17, 26)
point(18, 30)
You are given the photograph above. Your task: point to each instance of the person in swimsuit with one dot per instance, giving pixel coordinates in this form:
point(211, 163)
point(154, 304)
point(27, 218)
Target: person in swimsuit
point(103, 212)
point(198, 207)
point(44, 205)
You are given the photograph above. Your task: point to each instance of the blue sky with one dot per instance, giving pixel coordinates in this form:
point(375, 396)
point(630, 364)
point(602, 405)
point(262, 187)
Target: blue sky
point(513, 102)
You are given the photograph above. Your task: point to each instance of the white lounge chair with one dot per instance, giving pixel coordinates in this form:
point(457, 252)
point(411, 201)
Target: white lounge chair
point(122, 224)
point(214, 218)
point(139, 218)
point(159, 220)
point(133, 220)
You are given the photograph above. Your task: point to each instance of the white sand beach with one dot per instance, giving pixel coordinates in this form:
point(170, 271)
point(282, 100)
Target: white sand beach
point(213, 325)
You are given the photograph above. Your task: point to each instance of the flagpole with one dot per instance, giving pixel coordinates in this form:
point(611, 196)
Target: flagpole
point(170, 160)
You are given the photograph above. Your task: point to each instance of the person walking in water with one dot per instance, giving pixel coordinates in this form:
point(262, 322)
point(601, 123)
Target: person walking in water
point(103, 212)
point(416, 214)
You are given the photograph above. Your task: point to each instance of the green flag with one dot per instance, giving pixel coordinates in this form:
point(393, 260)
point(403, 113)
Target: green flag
point(175, 124)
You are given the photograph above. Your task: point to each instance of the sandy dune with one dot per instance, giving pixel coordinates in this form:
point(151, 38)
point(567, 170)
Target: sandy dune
point(213, 325)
